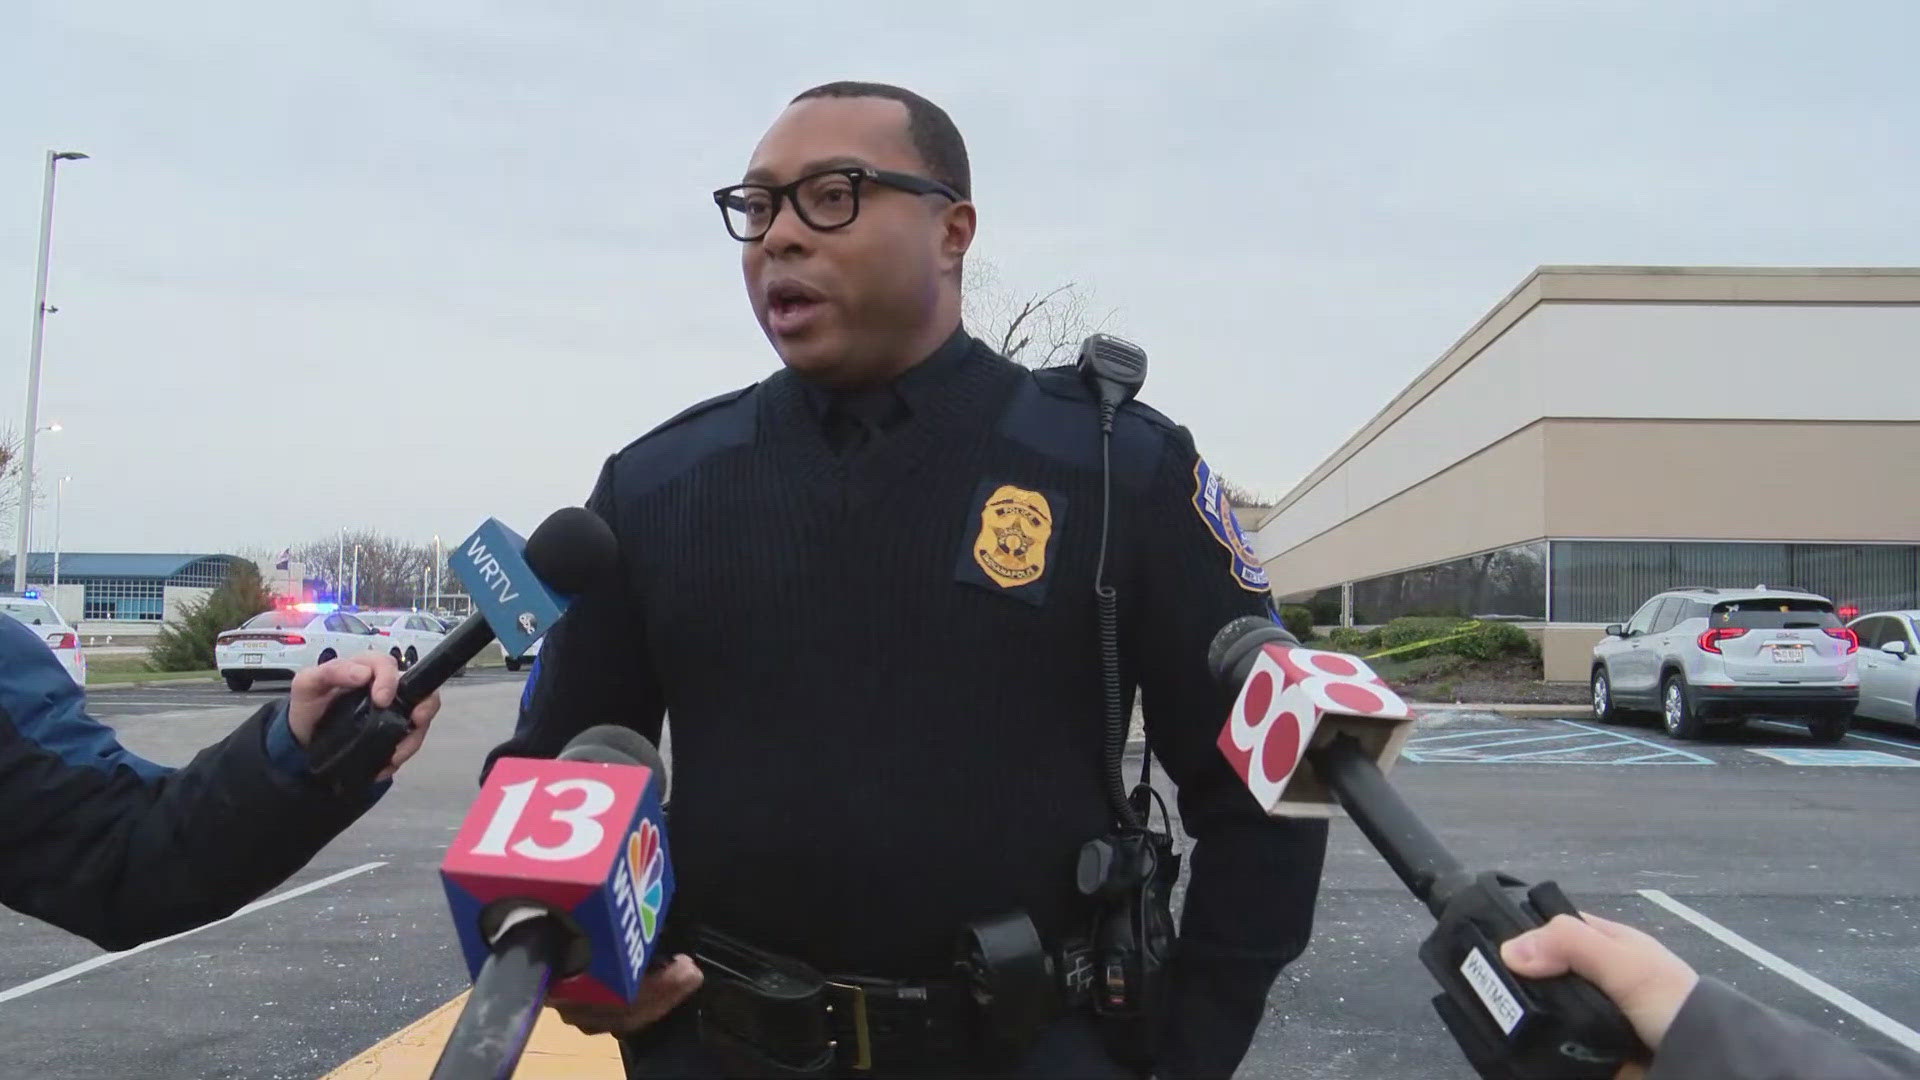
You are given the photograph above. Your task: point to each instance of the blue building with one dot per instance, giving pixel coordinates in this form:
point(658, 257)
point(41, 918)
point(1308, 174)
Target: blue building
point(123, 592)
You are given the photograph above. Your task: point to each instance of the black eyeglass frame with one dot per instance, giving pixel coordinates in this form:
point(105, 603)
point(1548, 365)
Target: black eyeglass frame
point(784, 193)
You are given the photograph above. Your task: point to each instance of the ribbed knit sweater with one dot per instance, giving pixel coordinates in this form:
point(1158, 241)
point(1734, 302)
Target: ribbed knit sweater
point(882, 671)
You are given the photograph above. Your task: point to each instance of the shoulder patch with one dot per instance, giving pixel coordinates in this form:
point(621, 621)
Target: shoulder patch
point(1216, 510)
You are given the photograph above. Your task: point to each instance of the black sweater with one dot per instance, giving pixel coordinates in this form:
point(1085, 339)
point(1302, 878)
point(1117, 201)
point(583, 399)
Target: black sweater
point(883, 672)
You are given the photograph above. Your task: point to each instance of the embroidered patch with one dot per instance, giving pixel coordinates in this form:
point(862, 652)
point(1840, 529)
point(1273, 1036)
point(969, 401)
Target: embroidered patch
point(1210, 499)
point(1008, 539)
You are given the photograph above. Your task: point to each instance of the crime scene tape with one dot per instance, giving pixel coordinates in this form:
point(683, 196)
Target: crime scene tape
point(1464, 631)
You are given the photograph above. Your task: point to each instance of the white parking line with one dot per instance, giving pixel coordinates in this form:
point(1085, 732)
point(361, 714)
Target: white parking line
point(1461, 735)
point(85, 966)
point(1530, 755)
point(1907, 746)
point(1783, 726)
point(1509, 742)
point(1820, 988)
point(1688, 754)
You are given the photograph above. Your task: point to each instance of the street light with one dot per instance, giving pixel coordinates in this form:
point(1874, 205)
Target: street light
point(51, 429)
point(59, 490)
point(356, 575)
point(32, 427)
point(438, 560)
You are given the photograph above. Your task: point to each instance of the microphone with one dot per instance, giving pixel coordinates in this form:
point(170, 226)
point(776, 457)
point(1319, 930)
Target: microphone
point(559, 884)
point(1312, 733)
point(1292, 699)
point(570, 551)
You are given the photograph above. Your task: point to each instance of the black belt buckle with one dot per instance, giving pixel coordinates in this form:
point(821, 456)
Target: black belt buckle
point(850, 1000)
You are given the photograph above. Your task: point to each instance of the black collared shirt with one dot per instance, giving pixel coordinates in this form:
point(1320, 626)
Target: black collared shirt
point(855, 419)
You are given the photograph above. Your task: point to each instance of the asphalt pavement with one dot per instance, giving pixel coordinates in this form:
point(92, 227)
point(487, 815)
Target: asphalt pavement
point(1785, 873)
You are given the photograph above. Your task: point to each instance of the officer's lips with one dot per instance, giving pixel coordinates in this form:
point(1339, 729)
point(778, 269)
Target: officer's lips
point(792, 306)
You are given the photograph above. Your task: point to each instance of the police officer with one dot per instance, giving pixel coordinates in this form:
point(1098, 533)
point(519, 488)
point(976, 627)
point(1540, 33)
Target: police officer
point(863, 589)
point(103, 843)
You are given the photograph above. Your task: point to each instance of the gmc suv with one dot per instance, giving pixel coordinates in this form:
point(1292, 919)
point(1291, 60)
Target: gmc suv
point(1698, 655)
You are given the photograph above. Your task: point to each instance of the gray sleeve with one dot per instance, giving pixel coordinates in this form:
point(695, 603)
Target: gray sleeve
point(1721, 1034)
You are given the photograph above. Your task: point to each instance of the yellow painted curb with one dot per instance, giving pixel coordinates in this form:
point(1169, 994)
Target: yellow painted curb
point(556, 1051)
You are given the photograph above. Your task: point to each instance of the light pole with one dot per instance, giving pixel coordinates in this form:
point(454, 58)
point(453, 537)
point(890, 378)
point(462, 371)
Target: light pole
point(438, 558)
point(340, 566)
point(356, 575)
point(32, 428)
point(59, 490)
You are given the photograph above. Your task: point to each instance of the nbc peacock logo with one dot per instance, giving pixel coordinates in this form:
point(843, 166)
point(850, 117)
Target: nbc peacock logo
point(649, 870)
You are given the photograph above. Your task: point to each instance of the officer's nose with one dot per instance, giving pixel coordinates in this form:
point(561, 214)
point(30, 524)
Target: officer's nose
point(788, 237)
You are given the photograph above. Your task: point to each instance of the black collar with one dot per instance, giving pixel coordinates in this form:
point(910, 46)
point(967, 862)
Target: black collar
point(907, 395)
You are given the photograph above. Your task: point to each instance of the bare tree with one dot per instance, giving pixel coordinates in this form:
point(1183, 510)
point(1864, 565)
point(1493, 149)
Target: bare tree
point(1039, 330)
point(10, 453)
point(389, 568)
point(1247, 498)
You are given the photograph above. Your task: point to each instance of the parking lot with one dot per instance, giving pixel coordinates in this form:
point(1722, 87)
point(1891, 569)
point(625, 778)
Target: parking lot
point(1789, 877)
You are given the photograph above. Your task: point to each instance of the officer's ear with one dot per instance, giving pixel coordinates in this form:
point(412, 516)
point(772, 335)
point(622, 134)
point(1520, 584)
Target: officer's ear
point(957, 224)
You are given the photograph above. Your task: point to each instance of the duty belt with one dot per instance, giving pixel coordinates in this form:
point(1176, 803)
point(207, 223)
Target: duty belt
point(766, 1015)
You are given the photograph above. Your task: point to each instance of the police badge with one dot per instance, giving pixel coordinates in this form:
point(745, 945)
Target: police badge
point(1008, 552)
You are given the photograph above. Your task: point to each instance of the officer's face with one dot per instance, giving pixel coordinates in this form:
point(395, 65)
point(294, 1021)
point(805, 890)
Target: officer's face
point(859, 303)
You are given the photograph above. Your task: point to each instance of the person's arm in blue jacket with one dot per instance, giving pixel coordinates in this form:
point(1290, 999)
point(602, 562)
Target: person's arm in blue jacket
point(103, 843)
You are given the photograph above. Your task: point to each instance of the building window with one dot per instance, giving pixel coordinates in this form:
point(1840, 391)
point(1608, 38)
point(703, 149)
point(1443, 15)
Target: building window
point(202, 574)
point(127, 599)
point(1510, 583)
point(1603, 581)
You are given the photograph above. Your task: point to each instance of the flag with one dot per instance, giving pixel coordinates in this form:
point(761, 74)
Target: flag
point(285, 558)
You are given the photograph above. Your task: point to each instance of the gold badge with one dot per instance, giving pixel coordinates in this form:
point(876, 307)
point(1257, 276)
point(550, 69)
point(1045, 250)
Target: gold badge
point(1015, 526)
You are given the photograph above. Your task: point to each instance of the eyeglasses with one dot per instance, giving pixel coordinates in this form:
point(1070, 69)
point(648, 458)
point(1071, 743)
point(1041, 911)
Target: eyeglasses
point(826, 200)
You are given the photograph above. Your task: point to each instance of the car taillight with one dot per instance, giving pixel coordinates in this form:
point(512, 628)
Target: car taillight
point(383, 631)
point(1710, 641)
point(1846, 634)
point(62, 641)
point(292, 639)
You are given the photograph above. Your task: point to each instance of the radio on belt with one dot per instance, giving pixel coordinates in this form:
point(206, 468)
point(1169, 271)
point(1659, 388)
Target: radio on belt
point(1309, 728)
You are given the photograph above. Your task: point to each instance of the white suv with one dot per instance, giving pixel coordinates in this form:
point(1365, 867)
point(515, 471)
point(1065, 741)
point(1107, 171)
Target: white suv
point(1698, 655)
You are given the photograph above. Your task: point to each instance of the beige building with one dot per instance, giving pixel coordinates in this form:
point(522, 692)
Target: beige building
point(1608, 432)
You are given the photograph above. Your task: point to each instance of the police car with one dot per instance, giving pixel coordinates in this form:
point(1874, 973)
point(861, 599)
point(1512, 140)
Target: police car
point(275, 644)
point(36, 614)
point(411, 634)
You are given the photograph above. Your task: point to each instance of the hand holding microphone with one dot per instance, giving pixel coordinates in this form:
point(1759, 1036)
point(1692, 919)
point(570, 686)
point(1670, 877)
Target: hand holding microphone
point(559, 881)
point(376, 675)
point(521, 589)
point(1313, 733)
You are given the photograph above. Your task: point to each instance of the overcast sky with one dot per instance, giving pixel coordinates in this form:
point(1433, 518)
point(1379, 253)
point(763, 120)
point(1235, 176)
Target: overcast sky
point(404, 265)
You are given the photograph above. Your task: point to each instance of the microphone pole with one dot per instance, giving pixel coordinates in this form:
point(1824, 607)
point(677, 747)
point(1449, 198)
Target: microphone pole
point(1422, 862)
point(493, 1029)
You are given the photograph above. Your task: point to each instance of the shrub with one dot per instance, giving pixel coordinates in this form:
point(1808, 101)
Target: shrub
point(1298, 621)
point(187, 645)
point(1406, 631)
point(1491, 641)
point(1360, 642)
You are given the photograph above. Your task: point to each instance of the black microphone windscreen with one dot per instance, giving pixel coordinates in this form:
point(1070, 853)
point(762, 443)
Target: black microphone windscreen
point(616, 745)
point(572, 549)
point(1237, 640)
